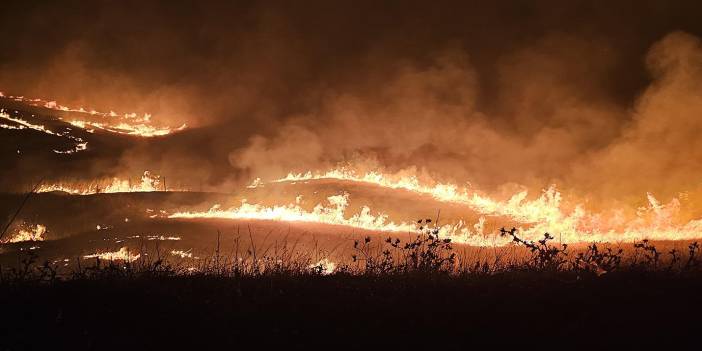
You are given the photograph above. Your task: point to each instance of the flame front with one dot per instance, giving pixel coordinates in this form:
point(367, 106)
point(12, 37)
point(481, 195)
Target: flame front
point(122, 254)
point(137, 129)
point(20, 124)
point(544, 214)
point(533, 217)
point(325, 266)
point(335, 214)
point(127, 123)
point(147, 183)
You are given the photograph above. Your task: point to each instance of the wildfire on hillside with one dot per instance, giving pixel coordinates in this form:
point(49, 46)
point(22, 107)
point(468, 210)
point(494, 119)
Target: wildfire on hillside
point(127, 123)
point(544, 214)
point(147, 183)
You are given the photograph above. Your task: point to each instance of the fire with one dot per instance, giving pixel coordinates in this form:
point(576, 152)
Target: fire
point(334, 213)
point(325, 266)
point(138, 129)
point(534, 217)
point(29, 233)
point(127, 123)
point(182, 254)
point(122, 255)
point(545, 207)
point(149, 183)
point(156, 237)
point(21, 124)
point(538, 216)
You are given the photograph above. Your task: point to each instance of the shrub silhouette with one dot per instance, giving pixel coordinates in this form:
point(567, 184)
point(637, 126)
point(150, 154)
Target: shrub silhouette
point(544, 256)
point(424, 253)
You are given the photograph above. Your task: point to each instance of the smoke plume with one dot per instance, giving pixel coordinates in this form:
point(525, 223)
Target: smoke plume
point(500, 95)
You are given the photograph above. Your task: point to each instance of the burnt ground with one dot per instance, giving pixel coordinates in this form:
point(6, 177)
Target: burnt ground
point(200, 312)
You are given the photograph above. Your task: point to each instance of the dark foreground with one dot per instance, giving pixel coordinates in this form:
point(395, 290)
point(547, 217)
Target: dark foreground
point(202, 312)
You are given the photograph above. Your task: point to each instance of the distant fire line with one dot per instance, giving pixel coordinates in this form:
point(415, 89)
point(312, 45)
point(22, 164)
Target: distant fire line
point(148, 183)
point(80, 144)
point(127, 123)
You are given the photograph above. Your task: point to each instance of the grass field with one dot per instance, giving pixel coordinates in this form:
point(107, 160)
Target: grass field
point(391, 293)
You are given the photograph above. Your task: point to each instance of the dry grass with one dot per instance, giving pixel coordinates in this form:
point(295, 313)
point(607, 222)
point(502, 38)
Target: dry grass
point(391, 292)
point(423, 255)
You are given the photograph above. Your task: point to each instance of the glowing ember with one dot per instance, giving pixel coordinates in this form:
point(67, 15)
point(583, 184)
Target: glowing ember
point(29, 233)
point(122, 255)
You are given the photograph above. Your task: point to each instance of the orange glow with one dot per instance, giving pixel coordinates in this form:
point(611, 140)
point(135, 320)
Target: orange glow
point(20, 124)
point(138, 129)
point(122, 255)
point(655, 221)
point(334, 213)
point(325, 266)
point(148, 183)
point(127, 123)
point(28, 233)
point(182, 254)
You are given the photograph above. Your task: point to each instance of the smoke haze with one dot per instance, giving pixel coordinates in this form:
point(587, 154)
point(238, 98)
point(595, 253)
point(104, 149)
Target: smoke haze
point(603, 100)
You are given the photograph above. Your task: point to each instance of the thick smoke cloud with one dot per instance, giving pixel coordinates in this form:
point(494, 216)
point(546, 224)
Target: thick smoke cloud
point(659, 148)
point(601, 100)
point(554, 125)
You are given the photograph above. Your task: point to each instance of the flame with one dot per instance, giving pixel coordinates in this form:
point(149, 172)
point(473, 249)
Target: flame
point(31, 233)
point(544, 214)
point(325, 266)
point(335, 214)
point(182, 254)
point(163, 238)
point(255, 184)
point(127, 123)
point(544, 207)
point(80, 144)
point(534, 217)
point(148, 183)
point(156, 237)
point(122, 255)
point(138, 129)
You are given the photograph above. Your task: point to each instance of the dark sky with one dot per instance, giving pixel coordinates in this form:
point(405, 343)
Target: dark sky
point(473, 90)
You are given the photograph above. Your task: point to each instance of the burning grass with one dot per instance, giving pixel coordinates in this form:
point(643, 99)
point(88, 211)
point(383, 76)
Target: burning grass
point(28, 232)
point(17, 123)
point(549, 212)
point(90, 119)
point(147, 183)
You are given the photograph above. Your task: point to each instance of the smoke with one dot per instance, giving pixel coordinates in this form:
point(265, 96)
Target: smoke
point(527, 93)
point(659, 149)
point(555, 123)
